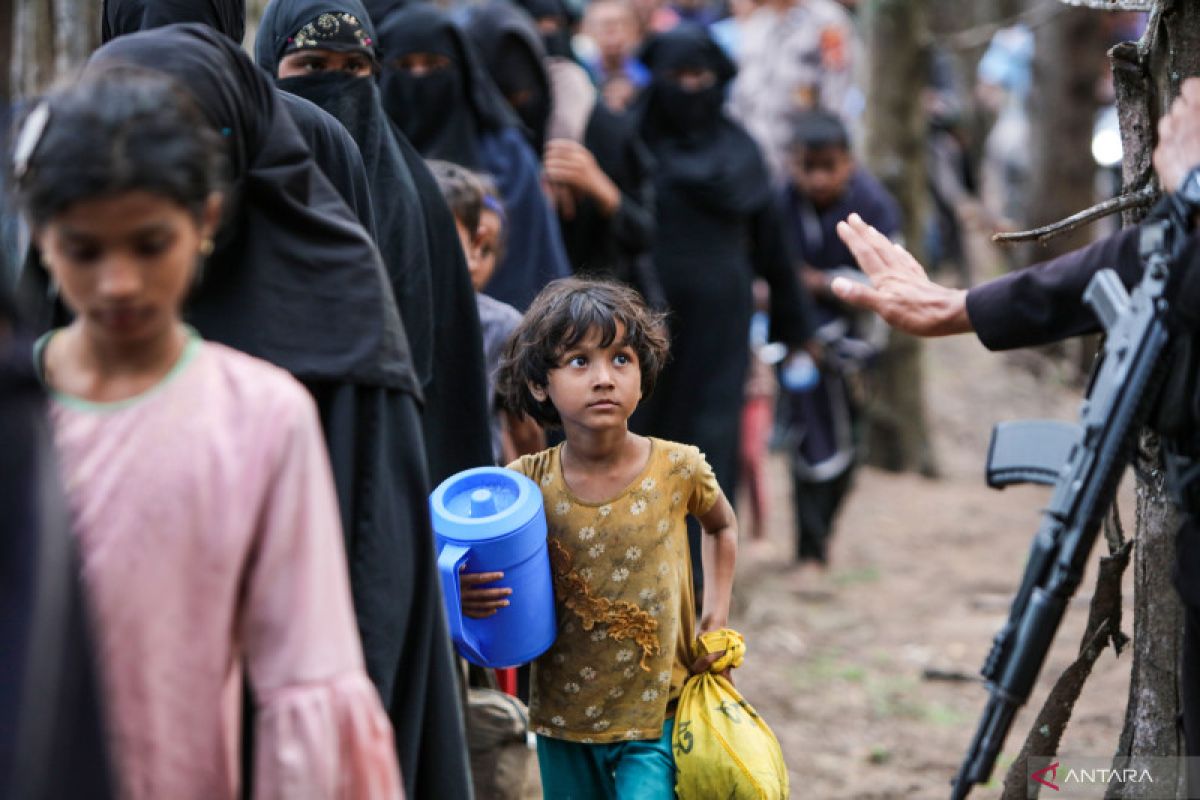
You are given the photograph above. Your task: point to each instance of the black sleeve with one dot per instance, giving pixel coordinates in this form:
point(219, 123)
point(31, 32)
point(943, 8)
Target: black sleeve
point(792, 315)
point(1044, 303)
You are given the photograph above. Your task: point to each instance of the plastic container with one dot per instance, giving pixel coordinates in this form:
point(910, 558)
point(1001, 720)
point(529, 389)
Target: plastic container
point(492, 520)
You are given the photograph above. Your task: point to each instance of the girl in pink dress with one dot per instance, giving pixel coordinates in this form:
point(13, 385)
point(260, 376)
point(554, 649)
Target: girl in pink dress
point(197, 477)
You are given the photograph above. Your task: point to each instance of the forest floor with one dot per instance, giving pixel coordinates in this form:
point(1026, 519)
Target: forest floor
point(921, 576)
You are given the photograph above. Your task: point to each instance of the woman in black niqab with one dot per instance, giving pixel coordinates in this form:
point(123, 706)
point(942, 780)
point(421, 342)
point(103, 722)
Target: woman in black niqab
point(717, 229)
point(415, 230)
point(297, 281)
point(610, 243)
point(436, 90)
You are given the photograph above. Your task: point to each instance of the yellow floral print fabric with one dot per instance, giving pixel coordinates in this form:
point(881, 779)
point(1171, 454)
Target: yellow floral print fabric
point(623, 596)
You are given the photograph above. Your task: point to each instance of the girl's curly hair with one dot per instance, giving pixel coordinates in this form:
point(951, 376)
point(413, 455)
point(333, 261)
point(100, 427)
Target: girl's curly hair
point(562, 316)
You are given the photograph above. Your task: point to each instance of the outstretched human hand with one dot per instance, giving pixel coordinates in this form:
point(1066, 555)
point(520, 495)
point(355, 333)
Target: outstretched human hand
point(900, 291)
point(1178, 147)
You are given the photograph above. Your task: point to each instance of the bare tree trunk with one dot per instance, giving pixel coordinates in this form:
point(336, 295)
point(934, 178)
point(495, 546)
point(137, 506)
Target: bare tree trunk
point(897, 32)
point(50, 39)
point(6, 46)
point(1147, 77)
point(1068, 65)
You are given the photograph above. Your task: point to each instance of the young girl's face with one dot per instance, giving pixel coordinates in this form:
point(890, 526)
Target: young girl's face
point(125, 262)
point(487, 248)
point(594, 387)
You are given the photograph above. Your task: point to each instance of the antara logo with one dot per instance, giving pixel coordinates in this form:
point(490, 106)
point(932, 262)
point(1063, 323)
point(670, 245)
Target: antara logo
point(1039, 776)
point(1046, 776)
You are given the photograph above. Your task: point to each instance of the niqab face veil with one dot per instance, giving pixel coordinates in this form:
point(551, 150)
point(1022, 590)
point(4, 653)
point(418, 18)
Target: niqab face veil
point(295, 279)
point(120, 17)
point(354, 102)
point(697, 147)
point(443, 112)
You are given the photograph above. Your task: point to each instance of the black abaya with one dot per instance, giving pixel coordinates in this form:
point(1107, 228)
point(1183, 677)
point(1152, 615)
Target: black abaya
point(717, 229)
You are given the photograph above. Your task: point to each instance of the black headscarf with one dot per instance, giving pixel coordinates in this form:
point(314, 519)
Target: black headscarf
point(558, 42)
point(331, 146)
point(295, 279)
point(512, 50)
point(120, 17)
point(443, 113)
point(698, 148)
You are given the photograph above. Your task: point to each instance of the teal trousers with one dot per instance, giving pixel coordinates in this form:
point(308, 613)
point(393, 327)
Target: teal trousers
point(643, 770)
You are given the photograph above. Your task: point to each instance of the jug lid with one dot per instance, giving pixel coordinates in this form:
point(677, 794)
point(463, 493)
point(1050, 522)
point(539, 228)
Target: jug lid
point(483, 503)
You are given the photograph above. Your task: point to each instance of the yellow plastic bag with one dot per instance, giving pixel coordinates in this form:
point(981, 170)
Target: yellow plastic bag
point(722, 746)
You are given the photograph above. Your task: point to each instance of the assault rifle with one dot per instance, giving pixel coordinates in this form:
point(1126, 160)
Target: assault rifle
point(1084, 463)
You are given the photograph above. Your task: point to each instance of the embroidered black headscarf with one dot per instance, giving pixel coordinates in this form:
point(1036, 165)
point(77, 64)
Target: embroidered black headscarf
point(295, 279)
point(120, 17)
point(698, 148)
point(508, 41)
point(444, 113)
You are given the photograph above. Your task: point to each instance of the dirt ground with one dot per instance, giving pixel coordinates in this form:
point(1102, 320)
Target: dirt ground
point(922, 574)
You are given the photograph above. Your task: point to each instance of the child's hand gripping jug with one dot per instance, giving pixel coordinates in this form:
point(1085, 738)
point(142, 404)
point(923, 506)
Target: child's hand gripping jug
point(491, 520)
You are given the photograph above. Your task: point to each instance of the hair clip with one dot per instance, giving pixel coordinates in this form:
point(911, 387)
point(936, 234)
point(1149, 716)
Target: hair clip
point(29, 137)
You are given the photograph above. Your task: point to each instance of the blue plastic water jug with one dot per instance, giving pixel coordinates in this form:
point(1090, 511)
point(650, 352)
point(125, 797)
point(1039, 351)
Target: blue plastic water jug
point(492, 520)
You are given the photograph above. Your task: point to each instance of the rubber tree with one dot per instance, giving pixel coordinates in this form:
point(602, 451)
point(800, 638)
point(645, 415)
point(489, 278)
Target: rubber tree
point(1147, 75)
point(897, 34)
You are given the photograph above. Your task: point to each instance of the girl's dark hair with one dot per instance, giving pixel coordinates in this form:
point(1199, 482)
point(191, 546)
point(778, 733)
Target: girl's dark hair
point(562, 316)
point(462, 191)
point(115, 130)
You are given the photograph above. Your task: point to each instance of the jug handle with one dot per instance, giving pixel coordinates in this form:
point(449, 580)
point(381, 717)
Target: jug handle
point(450, 560)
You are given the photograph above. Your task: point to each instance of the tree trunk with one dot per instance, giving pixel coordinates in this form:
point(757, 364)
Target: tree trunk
point(1068, 65)
point(897, 32)
point(1147, 77)
point(50, 39)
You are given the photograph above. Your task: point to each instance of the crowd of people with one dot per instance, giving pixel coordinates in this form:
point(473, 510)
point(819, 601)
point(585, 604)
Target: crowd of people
point(273, 301)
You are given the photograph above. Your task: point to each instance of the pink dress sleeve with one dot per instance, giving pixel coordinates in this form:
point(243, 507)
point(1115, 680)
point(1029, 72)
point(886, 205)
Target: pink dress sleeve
point(321, 730)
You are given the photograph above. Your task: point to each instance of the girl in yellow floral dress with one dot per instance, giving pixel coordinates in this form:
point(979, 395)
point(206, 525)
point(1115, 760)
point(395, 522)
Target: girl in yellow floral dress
point(603, 696)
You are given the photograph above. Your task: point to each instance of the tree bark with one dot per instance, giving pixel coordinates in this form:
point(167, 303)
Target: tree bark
point(50, 39)
point(1147, 77)
point(897, 35)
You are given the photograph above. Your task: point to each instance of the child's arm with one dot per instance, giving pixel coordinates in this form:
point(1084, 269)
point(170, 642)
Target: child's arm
point(718, 556)
point(481, 603)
